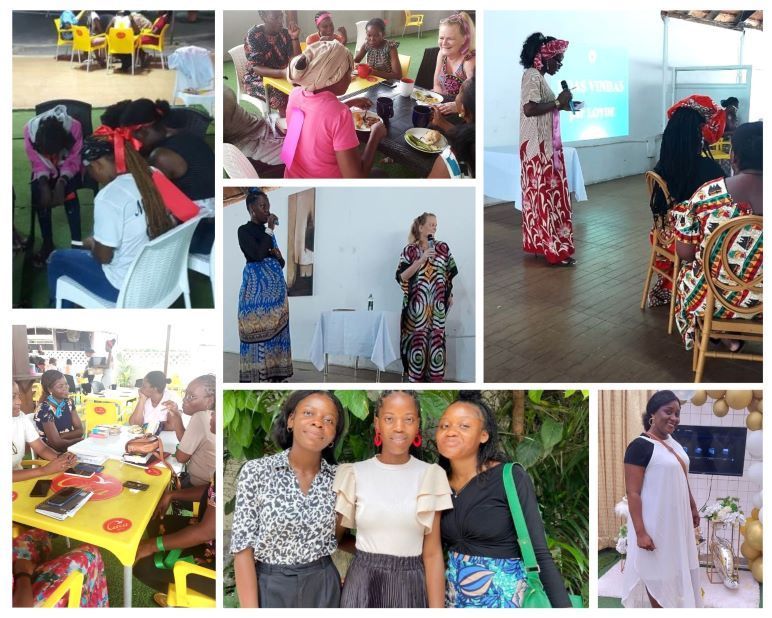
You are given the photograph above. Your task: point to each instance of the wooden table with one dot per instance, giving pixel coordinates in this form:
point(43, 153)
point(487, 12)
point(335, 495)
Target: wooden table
point(114, 518)
point(394, 144)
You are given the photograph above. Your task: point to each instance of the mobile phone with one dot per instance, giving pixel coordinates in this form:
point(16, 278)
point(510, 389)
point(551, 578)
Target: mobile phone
point(136, 485)
point(41, 488)
point(84, 470)
point(389, 83)
point(62, 497)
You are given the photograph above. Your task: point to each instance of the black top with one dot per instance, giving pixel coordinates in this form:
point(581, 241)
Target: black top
point(639, 452)
point(480, 524)
point(255, 242)
point(707, 169)
point(198, 181)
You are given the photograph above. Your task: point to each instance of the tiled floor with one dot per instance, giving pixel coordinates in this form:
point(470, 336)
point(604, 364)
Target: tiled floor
point(584, 324)
point(307, 373)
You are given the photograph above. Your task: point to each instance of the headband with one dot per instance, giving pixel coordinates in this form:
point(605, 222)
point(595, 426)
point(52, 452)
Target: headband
point(321, 18)
point(118, 137)
point(715, 116)
point(548, 50)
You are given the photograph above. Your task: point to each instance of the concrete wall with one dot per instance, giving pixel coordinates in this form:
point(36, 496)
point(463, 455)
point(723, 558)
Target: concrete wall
point(359, 236)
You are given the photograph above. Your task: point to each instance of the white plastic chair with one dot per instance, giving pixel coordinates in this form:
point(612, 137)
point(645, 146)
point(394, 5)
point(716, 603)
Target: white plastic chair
point(156, 278)
point(240, 63)
point(361, 36)
point(236, 163)
point(203, 264)
point(204, 95)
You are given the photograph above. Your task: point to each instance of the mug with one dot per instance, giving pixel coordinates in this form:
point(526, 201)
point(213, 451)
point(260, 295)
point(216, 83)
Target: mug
point(363, 70)
point(422, 116)
point(405, 87)
point(384, 106)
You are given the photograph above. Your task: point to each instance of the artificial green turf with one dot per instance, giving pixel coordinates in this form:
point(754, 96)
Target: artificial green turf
point(34, 280)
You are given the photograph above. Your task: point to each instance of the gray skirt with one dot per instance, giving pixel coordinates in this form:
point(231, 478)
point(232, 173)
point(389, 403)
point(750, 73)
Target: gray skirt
point(380, 580)
point(316, 584)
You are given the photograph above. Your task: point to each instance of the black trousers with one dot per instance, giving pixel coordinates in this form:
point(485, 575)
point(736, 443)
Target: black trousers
point(71, 208)
point(159, 579)
point(316, 584)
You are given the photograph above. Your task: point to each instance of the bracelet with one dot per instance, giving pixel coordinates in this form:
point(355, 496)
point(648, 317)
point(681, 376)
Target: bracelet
point(269, 231)
point(159, 543)
point(18, 575)
point(557, 104)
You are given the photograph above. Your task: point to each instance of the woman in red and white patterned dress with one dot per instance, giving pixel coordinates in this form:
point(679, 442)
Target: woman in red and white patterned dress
point(547, 228)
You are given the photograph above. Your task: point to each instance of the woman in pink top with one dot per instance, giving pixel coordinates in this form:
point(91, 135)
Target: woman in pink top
point(155, 403)
point(327, 144)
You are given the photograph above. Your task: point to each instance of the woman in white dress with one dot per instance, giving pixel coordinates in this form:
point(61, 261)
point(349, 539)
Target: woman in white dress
point(662, 568)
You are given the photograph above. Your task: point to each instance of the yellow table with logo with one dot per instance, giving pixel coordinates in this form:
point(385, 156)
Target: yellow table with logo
point(110, 407)
point(357, 83)
point(114, 518)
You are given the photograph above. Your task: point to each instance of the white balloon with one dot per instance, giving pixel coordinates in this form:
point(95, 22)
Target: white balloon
point(754, 473)
point(684, 395)
point(755, 444)
point(757, 499)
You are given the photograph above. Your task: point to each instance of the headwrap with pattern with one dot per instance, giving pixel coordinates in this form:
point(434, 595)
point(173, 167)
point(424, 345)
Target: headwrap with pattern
point(714, 115)
point(548, 50)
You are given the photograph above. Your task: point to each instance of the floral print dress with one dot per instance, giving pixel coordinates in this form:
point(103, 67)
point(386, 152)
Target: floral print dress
point(267, 50)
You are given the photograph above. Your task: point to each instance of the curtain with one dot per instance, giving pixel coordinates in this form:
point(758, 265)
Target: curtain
point(619, 421)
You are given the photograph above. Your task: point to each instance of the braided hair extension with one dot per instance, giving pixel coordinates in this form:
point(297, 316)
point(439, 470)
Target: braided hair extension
point(679, 154)
point(158, 219)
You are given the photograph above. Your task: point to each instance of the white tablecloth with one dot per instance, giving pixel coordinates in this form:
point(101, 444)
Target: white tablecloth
point(370, 334)
point(502, 174)
point(115, 446)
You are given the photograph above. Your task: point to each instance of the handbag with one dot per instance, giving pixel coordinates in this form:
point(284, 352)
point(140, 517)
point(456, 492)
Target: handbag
point(534, 596)
point(149, 444)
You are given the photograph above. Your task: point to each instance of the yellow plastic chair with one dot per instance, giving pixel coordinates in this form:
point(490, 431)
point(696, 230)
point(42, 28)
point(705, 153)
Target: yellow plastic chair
point(404, 62)
point(179, 595)
point(157, 44)
point(721, 149)
point(37, 391)
point(122, 41)
point(413, 19)
point(81, 42)
point(59, 40)
point(72, 585)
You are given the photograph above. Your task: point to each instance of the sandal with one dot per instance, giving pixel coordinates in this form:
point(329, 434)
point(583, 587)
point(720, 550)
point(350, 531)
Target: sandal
point(569, 261)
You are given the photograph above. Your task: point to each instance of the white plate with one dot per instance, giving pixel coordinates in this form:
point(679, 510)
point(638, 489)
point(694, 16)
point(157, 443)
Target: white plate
point(429, 149)
point(367, 114)
point(435, 98)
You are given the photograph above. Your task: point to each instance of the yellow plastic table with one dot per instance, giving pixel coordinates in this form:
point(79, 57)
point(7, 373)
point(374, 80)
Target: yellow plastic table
point(357, 84)
point(109, 408)
point(113, 519)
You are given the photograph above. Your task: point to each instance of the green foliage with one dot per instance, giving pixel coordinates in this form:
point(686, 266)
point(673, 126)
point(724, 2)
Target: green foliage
point(554, 449)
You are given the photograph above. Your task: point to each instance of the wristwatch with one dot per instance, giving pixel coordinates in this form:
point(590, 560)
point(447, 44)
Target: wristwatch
point(557, 104)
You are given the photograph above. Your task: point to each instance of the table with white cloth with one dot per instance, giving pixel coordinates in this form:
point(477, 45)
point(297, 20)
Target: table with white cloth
point(370, 334)
point(502, 174)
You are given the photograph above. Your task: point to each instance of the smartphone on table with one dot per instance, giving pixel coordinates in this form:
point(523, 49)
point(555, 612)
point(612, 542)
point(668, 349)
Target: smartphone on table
point(41, 488)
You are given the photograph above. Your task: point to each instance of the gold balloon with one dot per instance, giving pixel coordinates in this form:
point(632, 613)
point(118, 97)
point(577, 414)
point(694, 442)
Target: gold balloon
point(754, 513)
point(760, 406)
point(739, 400)
point(720, 407)
point(754, 421)
point(742, 528)
point(754, 535)
point(748, 551)
point(715, 394)
point(753, 406)
point(758, 394)
point(699, 398)
point(757, 569)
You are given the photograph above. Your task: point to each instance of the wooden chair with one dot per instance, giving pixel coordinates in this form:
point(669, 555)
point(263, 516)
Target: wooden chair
point(413, 19)
point(661, 243)
point(726, 294)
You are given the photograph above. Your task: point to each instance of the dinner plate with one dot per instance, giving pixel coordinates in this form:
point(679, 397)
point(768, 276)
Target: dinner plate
point(418, 133)
point(367, 114)
point(427, 97)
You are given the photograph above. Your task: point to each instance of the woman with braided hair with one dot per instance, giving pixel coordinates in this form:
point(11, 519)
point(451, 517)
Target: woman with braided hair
point(128, 213)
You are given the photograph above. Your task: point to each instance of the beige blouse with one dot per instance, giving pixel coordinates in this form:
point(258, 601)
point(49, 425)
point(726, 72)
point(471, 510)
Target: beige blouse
point(535, 130)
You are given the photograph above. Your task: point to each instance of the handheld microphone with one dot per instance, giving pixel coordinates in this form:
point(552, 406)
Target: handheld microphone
point(431, 241)
point(564, 86)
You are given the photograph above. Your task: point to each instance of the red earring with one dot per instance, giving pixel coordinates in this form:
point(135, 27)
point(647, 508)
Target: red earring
point(377, 439)
point(417, 440)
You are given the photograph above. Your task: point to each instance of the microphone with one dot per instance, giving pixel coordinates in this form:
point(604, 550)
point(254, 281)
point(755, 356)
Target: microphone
point(564, 86)
point(431, 241)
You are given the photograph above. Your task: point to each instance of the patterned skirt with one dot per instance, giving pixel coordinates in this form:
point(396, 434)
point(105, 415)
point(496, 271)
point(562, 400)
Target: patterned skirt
point(547, 228)
point(380, 580)
point(477, 581)
point(266, 355)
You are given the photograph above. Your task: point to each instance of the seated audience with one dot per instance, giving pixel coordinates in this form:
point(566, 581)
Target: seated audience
point(56, 420)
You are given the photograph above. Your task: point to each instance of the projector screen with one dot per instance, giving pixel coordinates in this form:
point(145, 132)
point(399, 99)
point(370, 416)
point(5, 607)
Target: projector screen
point(599, 77)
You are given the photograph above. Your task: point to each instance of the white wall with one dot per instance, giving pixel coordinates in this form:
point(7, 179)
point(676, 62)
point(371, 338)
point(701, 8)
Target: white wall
point(236, 24)
point(641, 32)
point(359, 236)
point(706, 487)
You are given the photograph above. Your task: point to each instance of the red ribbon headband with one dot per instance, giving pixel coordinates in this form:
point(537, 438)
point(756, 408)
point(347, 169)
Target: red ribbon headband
point(119, 136)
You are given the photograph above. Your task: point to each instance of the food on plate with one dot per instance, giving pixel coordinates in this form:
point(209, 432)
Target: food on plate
point(431, 137)
point(419, 144)
point(364, 121)
point(425, 97)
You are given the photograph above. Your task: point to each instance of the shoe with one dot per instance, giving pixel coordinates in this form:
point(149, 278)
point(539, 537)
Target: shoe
point(161, 599)
point(567, 262)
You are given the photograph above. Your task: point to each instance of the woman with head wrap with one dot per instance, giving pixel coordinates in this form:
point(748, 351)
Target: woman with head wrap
point(325, 30)
point(326, 144)
point(662, 568)
point(693, 123)
point(713, 203)
point(547, 228)
point(128, 213)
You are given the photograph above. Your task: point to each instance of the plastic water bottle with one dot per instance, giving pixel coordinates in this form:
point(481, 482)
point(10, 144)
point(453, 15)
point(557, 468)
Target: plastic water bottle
point(370, 302)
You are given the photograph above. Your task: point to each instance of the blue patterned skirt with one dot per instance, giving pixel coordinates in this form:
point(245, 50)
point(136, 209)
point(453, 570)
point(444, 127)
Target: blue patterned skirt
point(477, 581)
point(266, 354)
